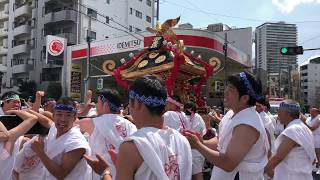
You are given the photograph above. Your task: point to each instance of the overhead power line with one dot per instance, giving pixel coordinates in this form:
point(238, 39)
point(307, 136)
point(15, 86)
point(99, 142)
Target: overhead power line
point(235, 17)
point(66, 6)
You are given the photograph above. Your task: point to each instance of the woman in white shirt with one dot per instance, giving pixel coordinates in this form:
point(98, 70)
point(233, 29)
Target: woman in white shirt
point(243, 143)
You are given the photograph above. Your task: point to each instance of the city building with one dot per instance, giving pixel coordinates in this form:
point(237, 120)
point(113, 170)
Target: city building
point(24, 25)
point(4, 22)
point(269, 38)
point(310, 82)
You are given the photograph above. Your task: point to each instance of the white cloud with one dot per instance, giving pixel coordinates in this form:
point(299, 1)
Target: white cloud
point(288, 5)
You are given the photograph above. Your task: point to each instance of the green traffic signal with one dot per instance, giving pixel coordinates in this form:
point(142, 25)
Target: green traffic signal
point(284, 50)
point(293, 50)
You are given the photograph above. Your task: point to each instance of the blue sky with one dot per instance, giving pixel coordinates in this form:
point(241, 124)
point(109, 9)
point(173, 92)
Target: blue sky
point(251, 13)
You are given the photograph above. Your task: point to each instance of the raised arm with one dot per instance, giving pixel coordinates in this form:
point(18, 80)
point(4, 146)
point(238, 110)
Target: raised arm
point(29, 120)
point(37, 102)
point(4, 134)
point(43, 120)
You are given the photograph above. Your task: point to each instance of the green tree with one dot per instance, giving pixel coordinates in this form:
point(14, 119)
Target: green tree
point(27, 88)
point(54, 90)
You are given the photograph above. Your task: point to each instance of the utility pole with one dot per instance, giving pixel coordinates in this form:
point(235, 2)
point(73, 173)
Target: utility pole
point(158, 9)
point(87, 79)
point(290, 85)
point(225, 50)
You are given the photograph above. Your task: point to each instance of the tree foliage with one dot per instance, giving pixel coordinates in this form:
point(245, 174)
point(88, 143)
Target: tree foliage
point(54, 90)
point(27, 88)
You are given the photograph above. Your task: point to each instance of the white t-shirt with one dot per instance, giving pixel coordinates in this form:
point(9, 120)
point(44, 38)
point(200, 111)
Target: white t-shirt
point(71, 140)
point(252, 166)
point(297, 164)
point(312, 122)
point(268, 125)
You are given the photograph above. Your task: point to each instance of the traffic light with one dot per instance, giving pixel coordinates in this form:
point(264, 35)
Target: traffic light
point(295, 50)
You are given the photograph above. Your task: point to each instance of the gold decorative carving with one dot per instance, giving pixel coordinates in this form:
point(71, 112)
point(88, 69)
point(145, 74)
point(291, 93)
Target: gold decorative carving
point(215, 63)
point(143, 63)
point(160, 59)
point(108, 66)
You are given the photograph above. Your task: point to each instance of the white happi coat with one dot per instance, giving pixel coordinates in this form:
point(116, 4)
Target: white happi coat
point(7, 160)
point(71, 140)
point(166, 154)
point(252, 166)
point(316, 133)
point(28, 164)
point(297, 164)
point(195, 123)
point(109, 132)
point(174, 120)
point(268, 125)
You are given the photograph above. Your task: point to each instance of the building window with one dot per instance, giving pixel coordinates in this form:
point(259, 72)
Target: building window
point(107, 19)
point(92, 13)
point(140, 0)
point(108, 1)
point(148, 19)
point(148, 2)
point(139, 14)
point(131, 10)
point(130, 28)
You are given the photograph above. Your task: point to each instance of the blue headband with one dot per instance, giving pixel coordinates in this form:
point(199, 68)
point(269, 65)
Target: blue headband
point(64, 107)
point(49, 102)
point(250, 90)
point(292, 107)
point(149, 101)
point(112, 106)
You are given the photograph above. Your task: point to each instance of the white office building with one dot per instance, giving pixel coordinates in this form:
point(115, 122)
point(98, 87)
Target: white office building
point(24, 24)
point(310, 82)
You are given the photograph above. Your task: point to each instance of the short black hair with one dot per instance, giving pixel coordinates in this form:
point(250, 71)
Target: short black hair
point(48, 99)
point(151, 86)
point(176, 98)
point(190, 106)
point(113, 97)
point(240, 85)
point(262, 101)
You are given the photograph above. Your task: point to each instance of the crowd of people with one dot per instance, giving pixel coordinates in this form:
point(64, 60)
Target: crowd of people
point(156, 136)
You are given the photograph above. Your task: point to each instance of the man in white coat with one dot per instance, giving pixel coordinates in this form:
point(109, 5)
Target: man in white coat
point(154, 152)
point(293, 154)
point(188, 120)
point(313, 123)
point(10, 142)
point(109, 129)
